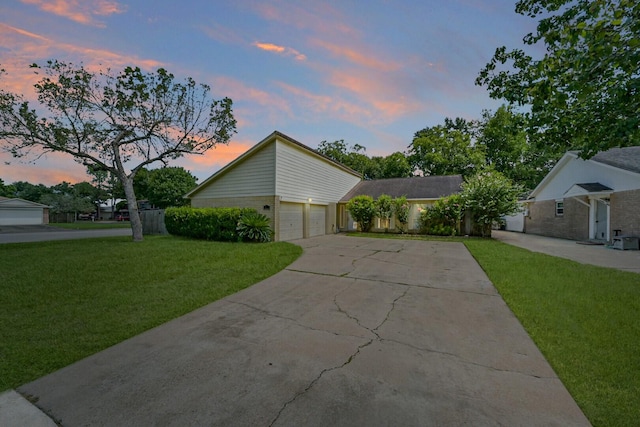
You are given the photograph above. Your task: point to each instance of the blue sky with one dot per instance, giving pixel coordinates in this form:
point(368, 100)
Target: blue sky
point(372, 73)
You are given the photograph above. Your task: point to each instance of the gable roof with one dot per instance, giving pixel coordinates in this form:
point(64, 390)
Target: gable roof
point(627, 158)
point(19, 203)
point(417, 187)
point(268, 140)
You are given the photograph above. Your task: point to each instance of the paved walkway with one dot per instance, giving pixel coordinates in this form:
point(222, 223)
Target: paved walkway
point(585, 254)
point(357, 331)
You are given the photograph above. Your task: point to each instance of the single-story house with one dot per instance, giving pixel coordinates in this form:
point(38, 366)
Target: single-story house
point(592, 199)
point(295, 186)
point(420, 191)
point(22, 212)
point(303, 192)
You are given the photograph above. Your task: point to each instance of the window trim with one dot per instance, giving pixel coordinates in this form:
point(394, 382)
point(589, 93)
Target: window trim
point(559, 207)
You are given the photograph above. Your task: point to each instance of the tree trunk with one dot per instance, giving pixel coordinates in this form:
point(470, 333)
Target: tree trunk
point(132, 203)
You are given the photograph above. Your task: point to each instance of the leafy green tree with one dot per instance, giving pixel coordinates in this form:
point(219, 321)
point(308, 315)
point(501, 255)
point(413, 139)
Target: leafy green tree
point(401, 211)
point(353, 157)
point(446, 150)
point(384, 209)
point(67, 203)
point(7, 190)
point(489, 196)
point(396, 165)
point(362, 210)
point(31, 192)
point(509, 150)
point(118, 123)
point(584, 93)
point(167, 186)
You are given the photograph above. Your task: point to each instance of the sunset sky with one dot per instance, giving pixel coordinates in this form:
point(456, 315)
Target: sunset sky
point(369, 72)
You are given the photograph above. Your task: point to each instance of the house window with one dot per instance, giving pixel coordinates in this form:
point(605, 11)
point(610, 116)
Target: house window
point(559, 208)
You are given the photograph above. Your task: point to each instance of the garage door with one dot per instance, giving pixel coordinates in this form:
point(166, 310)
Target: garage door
point(317, 220)
point(20, 216)
point(291, 225)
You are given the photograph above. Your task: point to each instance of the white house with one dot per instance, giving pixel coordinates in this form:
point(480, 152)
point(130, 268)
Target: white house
point(22, 212)
point(295, 186)
point(592, 199)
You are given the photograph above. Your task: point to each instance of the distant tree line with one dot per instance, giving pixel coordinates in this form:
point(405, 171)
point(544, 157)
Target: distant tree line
point(161, 187)
point(497, 141)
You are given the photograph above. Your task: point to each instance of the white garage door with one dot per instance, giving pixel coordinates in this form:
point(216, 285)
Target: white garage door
point(317, 220)
point(20, 216)
point(291, 225)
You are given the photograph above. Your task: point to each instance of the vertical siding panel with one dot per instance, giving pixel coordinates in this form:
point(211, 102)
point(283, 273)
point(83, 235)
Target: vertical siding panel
point(253, 177)
point(301, 175)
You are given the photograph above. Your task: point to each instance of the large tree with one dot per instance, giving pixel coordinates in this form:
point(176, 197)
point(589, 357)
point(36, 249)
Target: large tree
point(446, 149)
point(118, 123)
point(167, 186)
point(509, 149)
point(584, 93)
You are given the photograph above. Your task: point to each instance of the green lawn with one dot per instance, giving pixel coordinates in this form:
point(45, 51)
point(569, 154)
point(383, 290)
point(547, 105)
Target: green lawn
point(584, 319)
point(90, 225)
point(64, 300)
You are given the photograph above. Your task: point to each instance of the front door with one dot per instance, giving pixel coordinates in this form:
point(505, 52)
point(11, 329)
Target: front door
point(602, 220)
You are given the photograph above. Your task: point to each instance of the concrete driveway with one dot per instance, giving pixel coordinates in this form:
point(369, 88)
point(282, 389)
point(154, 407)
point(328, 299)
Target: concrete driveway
point(356, 332)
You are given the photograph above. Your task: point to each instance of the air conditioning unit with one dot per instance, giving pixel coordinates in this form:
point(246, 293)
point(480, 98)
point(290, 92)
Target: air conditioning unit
point(625, 243)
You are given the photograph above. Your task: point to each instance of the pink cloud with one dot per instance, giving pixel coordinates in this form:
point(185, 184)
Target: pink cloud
point(80, 11)
point(282, 50)
point(318, 17)
point(362, 59)
point(326, 104)
point(239, 91)
point(25, 48)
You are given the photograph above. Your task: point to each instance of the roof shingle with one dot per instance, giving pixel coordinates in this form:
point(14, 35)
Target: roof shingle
point(417, 187)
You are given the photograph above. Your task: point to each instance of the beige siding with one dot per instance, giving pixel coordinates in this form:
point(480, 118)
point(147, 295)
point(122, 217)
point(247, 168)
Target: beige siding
point(253, 177)
point(301, 176)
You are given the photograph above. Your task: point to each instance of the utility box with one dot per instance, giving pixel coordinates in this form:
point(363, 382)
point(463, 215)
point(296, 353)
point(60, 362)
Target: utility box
point(625, 243)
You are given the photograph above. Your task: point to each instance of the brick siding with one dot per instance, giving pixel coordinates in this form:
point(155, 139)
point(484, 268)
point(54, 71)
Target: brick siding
point(625, 212)
point(574, 224)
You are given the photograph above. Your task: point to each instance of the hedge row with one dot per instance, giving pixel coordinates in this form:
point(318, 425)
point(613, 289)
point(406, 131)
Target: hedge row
point(219, 224)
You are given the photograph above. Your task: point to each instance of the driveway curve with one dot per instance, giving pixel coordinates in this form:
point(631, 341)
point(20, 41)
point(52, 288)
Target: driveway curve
point(357, 331)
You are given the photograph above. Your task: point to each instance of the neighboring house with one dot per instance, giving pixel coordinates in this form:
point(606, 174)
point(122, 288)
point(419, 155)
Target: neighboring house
point(295, 186)
point(421, 192)
point(22, 212)
point(591, 199)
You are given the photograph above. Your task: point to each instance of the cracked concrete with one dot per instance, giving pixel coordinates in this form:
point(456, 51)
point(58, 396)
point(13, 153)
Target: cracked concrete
point(356, 331)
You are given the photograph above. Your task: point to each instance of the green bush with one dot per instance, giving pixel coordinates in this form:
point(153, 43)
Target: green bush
point(362, 210)
point(384, 208)
point(444, 217)
point(254, 226)
point(401, 210)
point(219, 224)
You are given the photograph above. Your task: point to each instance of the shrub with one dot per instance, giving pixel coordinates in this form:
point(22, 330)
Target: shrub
point(489, 195)
point(362, 210)
point(219, 224)
point(384, 208)
point(443, 218)
point(254, 226)
point(401, 210)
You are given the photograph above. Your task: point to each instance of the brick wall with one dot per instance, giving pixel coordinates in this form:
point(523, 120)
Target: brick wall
point(574, 224)
point(625, 212)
